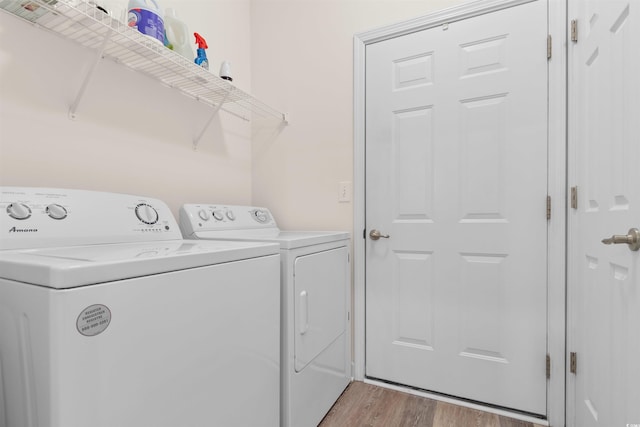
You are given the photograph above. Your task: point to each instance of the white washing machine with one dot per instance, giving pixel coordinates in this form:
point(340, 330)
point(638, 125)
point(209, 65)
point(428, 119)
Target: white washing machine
point(316, 349)
point(108, 318)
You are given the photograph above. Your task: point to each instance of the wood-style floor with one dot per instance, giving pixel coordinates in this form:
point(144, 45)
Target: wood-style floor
point(367, 405)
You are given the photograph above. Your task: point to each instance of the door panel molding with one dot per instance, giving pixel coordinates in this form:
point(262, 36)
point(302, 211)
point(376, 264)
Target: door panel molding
point(557, 19)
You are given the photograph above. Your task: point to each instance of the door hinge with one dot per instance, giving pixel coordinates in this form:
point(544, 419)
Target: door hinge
point(364, 233)
point(574, 30)
point(573, 362)
point(548, 207)
point(548, 366)
point(574, 197)
point(549, 46)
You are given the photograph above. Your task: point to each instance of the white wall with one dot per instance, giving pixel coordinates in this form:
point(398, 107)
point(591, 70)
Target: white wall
point(132, 135)
point(302, 62)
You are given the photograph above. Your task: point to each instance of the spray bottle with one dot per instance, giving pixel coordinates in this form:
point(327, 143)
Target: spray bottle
point(201, 58)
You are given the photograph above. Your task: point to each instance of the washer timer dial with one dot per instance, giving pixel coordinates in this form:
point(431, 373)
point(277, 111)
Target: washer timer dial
point(147, 213)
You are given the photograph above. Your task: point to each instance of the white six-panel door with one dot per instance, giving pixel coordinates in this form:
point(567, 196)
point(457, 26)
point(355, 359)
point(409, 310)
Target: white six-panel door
point(456, 176)
point(604, 281)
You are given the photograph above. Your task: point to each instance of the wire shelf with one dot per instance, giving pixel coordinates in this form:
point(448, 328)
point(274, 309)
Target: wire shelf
point(88, 26)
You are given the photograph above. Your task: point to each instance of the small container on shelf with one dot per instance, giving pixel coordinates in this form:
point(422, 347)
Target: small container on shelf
point(225, 71)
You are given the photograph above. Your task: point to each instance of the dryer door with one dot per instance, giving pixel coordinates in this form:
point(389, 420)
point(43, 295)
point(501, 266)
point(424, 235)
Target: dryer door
point(320, 292)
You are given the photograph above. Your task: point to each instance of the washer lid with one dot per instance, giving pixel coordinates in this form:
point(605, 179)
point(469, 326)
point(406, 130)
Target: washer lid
point(286, 239)
point(68, 267)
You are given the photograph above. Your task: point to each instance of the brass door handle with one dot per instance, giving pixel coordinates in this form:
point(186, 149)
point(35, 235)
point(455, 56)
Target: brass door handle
point(375, 235)
point(632, 239)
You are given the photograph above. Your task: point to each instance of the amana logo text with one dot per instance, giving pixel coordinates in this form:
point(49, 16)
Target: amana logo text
point(23, 230)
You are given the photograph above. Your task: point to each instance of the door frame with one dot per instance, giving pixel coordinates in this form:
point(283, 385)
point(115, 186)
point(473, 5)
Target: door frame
point(557, 181)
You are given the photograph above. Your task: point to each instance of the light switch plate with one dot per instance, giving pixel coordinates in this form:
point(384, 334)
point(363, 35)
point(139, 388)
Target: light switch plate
point(345, 190)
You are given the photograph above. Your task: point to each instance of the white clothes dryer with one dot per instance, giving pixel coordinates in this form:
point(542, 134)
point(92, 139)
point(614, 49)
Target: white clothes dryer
point(109, 318)
point(316, 331)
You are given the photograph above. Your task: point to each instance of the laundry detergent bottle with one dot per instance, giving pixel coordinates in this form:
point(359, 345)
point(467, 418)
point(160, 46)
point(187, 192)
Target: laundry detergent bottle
point(146, 16)
point(177, 34)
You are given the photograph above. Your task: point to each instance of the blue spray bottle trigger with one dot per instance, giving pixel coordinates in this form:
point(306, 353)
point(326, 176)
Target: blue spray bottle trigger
point(201, 58)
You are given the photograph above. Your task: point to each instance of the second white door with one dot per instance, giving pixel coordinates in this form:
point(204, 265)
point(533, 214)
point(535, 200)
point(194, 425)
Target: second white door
point(604, 280)
point(456, 176)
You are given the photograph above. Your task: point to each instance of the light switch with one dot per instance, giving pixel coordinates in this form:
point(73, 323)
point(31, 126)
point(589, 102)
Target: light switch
point(345, 190)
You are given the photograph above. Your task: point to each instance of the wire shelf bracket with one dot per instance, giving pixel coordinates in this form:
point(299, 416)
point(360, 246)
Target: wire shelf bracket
point(74, 107)
point(197, 139)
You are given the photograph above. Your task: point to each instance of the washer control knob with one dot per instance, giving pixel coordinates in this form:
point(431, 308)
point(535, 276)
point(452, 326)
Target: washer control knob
point(56, 211)
point(147, 213)
point(203, 214)
point(231, 215)
point(19, 211)
point(218, 215)
point(261, 215)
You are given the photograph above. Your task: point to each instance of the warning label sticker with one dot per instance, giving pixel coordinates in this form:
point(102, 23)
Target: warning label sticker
point(93, 320)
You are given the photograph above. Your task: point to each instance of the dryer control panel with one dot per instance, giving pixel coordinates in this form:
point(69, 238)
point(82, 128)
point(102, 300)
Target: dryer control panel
point(46, 217)
point(208, 217)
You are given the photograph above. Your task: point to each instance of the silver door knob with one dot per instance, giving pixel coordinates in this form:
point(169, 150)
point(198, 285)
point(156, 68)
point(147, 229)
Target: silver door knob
point(375, 235)
point(632, 239)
